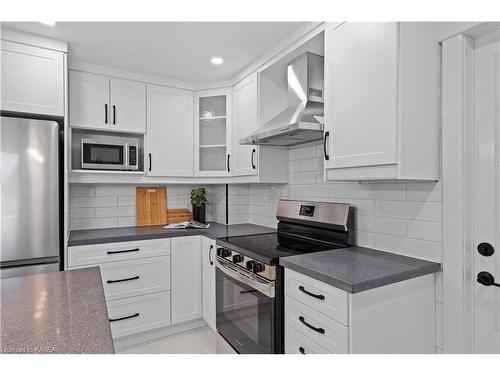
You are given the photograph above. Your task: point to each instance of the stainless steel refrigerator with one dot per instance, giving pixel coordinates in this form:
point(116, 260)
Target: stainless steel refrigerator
point(31, 199)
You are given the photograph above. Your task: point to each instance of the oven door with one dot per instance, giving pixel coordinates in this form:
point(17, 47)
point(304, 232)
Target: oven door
point(103, 155)
point(245, 309)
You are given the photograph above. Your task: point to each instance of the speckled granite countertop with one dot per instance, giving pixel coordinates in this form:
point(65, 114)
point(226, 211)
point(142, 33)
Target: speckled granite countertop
point(357, 268)
point(93, 236)
point(57, 312)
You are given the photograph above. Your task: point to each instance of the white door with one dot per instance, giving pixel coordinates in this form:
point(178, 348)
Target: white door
point(245, 121)
point(88, 100)
point(128, 105)
point(186, 279)
point(487, 193)
point(208, 265)
point(170, 131)
point(32, 79)
point(361, 66)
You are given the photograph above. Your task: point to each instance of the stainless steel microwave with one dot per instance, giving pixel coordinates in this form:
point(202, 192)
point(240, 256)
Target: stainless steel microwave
point(97, 154)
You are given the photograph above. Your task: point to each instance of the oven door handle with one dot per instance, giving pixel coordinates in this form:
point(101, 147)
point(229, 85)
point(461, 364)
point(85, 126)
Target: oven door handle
point(248, 279)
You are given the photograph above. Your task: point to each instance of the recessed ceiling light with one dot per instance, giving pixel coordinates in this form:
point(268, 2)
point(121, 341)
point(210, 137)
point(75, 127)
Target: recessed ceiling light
point(49, 23)
point(216, 60)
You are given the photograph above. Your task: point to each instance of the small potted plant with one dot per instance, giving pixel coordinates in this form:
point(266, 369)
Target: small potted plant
point(199, 201)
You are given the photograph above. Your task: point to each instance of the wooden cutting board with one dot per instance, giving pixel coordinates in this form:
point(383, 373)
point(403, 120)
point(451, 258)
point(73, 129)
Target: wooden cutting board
point(151, 206)
point(178, 215)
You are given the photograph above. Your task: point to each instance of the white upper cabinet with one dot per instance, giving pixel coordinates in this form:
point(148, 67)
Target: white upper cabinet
point(169, 131)
point(88, 100)
point(245, 121)
point(381, 98)
point(212, 133)
point(100, 102)
point(128, 105)
point(32, 79)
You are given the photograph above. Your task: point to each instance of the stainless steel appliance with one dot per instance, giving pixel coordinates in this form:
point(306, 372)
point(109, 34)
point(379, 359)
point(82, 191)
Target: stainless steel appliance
point(249, 278)
point(31, 192)
point(302, 120)
point(98, 154)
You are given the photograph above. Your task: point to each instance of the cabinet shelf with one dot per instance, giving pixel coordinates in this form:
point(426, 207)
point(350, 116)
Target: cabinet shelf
point(213, 146)
point(212, 118)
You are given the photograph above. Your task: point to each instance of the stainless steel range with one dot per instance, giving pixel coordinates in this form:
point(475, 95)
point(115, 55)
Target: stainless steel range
point(249, 287)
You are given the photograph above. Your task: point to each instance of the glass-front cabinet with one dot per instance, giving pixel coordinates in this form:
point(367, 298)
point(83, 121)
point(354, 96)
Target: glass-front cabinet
point(212, 153)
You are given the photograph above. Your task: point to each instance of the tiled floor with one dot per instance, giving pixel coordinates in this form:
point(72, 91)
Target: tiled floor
point(197, 341)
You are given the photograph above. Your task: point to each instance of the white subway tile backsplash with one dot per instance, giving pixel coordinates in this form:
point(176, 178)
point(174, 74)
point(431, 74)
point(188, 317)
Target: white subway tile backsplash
point(81, 190)
point(127, 201)
point(410, 210)
point(114, 190)
point(93, 223)
point(128, 221)
point(81, 213)
point(93, 202)
point(425, 230)
point(114, 211)
point(424, 191)
point(384, 225)
point(428, 250)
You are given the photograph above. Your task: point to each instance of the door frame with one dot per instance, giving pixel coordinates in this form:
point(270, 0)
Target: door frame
point(457, 183)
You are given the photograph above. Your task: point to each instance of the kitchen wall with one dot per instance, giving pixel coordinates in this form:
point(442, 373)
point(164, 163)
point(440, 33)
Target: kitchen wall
point(403, 218)
point(110, 206)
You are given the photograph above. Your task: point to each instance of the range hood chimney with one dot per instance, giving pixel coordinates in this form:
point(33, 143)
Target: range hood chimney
point(302, 121)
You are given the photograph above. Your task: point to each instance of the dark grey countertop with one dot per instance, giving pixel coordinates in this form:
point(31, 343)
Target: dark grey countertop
point(57, 312)
point(216, 230)
point(356, 269)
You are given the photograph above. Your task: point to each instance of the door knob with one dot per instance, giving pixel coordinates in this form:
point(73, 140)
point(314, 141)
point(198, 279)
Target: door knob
point(485, 249)
point(486, 279)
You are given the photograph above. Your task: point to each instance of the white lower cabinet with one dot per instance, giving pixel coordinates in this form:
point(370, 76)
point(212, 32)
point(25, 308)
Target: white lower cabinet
point(208, 253)
point(186, 279)
point(137, 314)
point(395, 318)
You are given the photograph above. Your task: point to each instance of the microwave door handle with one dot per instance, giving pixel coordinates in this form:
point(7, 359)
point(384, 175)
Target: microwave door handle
point(265, 288)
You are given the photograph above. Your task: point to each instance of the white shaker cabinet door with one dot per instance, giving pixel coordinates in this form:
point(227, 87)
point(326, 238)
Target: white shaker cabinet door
point(170, 132)
point(208, 265)
point(32, 79)
point(361, 94)
point(245, 122)
point(127, 105)
point(186, 279)
point(89, 100)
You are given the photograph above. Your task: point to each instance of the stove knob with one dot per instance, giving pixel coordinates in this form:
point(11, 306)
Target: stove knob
point(250, 264)
point(238, 258)
point(223, 252)
point(258, 267)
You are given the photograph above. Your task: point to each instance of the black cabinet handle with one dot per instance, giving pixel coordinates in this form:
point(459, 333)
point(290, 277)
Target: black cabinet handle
point(114, 114)
point(125, 317)
point(228, 167)
point(252, 159)
point(122, 251)
point(150, 161)
point(327, 136)
point(486, 279)
point(302, 350)
point(210, 255)
point(318, 296)
point(122, 280)
point(303, 321)
point(105, 113)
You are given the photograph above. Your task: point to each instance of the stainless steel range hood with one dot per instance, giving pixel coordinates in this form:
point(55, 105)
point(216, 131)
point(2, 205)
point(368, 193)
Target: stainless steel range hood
point(302, 121)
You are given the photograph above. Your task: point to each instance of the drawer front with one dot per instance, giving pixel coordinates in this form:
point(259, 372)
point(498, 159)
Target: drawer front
point(138, 314)
point(111, 252)
point(297, 343)
point(322, 297)
point(324, 331)
point(134, 277)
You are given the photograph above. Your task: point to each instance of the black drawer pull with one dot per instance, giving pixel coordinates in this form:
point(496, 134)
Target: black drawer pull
point(122, 251)
point(302, 350)
point(303, 321)
point(125, 317)
point(318, 296)
point(122, 280)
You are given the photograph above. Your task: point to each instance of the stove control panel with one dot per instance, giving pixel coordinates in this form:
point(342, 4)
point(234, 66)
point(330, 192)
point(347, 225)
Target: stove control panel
point(306, 210)
point(240, 260)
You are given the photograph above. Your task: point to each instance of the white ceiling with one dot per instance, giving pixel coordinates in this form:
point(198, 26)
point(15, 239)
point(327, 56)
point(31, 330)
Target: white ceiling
point(179, 50)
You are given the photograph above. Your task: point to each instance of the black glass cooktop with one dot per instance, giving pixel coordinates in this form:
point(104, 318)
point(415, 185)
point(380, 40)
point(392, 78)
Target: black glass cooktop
point(269, 248)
